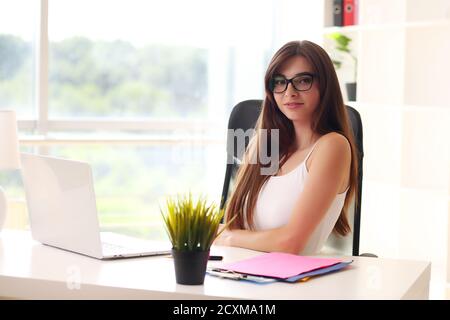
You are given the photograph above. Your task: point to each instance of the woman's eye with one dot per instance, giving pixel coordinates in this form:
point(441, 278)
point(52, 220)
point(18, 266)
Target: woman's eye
point(306, 80)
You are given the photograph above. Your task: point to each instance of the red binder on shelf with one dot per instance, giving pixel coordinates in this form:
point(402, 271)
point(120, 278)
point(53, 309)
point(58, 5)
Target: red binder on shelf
point(349, 12)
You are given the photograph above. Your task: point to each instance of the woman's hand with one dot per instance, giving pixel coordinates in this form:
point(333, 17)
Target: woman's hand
point(224, 239)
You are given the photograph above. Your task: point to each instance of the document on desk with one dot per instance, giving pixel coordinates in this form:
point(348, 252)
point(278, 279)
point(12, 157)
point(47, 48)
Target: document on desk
point(284, 266)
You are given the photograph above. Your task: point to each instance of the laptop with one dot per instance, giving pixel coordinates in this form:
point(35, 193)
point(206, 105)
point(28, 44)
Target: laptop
point(63, 212)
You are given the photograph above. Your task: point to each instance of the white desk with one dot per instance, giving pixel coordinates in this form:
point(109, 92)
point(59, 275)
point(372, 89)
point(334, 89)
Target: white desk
point(30, 270)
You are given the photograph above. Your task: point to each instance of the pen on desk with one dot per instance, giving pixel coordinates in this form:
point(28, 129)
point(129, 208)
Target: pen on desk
point(215, 258)
point(212, 258)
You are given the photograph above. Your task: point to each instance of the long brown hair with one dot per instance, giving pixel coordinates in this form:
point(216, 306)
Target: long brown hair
point(329, 116)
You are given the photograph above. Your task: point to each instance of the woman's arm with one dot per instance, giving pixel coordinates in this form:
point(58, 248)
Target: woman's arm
point(266, 240)
point(329, 170)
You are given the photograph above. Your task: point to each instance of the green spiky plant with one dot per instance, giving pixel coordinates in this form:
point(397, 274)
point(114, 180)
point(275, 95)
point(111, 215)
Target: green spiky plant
point(192, 225)
point(342, 43)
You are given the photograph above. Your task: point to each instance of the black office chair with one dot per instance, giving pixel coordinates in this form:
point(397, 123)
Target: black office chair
point(244, 116)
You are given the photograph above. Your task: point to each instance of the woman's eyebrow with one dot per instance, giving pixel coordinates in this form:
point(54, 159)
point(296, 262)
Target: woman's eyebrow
point(297, 74)
point(303, 73)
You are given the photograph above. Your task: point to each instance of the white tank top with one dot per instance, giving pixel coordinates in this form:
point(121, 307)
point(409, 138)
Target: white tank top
point(276, 202)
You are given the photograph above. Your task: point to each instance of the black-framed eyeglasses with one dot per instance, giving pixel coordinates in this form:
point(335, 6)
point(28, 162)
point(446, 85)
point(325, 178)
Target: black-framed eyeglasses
point(301, 82)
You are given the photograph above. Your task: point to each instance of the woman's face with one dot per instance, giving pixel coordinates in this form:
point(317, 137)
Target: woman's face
point(297, 105)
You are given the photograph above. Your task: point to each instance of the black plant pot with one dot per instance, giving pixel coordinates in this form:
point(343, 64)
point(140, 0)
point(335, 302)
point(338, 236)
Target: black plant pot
point(351, 91)
point(190, 266)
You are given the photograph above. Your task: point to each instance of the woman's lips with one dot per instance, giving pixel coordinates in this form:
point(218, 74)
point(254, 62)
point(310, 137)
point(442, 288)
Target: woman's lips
point(293, 105)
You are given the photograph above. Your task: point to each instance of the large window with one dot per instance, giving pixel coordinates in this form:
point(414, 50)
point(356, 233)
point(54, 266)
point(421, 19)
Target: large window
point(142, 90)
point(153, 59)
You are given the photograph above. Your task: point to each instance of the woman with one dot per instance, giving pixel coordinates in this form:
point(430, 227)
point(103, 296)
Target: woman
point(296, 209)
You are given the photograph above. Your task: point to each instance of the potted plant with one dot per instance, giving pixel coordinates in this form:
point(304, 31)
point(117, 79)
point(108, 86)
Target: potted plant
point(192, 226)
point(342, 45)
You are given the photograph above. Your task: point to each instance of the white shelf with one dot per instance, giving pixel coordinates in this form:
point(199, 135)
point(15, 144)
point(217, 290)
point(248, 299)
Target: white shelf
point(345, 29)
point(402, 49)
point(387, 26)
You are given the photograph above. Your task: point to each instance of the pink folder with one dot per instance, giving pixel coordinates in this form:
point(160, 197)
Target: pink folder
point(279, 265)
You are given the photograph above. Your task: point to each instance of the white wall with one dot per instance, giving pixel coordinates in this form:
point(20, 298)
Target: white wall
point(404, 100)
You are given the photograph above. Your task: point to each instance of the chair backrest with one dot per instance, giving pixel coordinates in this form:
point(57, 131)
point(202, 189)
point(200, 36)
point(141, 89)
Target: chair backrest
point(244, 116)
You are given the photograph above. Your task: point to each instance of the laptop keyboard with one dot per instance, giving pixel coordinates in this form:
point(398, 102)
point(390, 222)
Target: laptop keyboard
point(109, 247)
point(135, 248)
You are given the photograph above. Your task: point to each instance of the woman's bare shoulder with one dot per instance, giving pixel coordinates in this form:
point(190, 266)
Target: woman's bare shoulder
point(333, 145)
point(334, 139)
